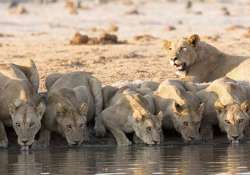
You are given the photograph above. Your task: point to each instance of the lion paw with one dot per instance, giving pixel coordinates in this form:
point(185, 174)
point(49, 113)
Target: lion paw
point(124, 143)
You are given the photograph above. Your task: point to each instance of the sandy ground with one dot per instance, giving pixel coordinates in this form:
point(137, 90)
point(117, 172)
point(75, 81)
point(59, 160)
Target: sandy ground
point(44, 33)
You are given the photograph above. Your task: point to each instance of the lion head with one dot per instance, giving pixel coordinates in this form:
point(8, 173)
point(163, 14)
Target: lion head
point(232, 106)
point(181, 106)
point(233, 119)
point(70, 115)
point(72, 122)
point(26, 121)
point(182, 53)
point(187, 119)
point(145, 125)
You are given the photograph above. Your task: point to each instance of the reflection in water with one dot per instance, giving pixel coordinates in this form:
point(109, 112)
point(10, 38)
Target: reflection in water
point(137, 160)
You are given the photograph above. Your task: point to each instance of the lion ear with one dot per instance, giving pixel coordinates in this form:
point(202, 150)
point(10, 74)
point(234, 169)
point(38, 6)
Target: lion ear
point(40, 109)
point(60, 108)
point(177, 107)
point(12, 109)
point(83, 109)
point(160, 115)
point(201, 108)
point(245, 106)
point(218, 105)
point(193, 39)
point(167, 44)
point(13, 106)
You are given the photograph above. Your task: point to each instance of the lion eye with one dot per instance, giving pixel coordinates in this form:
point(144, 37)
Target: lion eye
point(69, 126)
point(185, 123)
point(241, 120)
point(228, 122)
point(18, 124)
point(149, 129)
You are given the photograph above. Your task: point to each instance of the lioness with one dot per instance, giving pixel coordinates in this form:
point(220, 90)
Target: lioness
point(74, 99)
point(20, 105)
point(199, 61)
point(181, 107)
point(127, 112)
point(227, 104)
point(144, 87)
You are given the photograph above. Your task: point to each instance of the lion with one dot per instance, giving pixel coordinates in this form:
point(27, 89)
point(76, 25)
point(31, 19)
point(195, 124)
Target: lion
point(227, 105)
point(198, 61)
point(182, 109)
point(144, 87)
point(73, 101)
point(21, 107)
point(128, 112)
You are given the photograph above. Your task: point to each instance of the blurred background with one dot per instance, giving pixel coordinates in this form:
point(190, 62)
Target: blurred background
point(116, 39)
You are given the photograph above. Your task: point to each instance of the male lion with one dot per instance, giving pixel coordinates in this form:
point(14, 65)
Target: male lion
point(74, 99)
point(227, 104)
point(181, 107)
point(198, 61)
point(127, 112)
point(20, 105)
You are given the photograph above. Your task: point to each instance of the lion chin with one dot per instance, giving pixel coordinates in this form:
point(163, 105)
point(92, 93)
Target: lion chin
point(181, 73)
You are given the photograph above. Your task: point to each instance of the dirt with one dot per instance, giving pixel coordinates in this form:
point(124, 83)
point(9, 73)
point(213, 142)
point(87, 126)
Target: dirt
point(45, 32)
point(17, 10)
point(104, 38)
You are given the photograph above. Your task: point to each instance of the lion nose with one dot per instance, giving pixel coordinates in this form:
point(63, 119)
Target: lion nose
point(155, 142)
point(235, 137)
point(174, 59)
point(25, 141)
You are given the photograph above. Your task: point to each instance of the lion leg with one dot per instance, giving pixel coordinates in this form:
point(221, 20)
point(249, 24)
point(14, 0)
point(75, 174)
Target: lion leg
point(120, 137)
point(100, 130)
point(3, 136)
point(96, 90)
point(44, 139)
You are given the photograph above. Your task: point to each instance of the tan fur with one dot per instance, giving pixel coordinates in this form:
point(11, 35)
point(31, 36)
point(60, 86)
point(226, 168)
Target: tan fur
point(182, 109)
point(199, 61)
point(227, 104)
point(74, 99)
point(143, 87)
point(127, 113)
point(20, 105)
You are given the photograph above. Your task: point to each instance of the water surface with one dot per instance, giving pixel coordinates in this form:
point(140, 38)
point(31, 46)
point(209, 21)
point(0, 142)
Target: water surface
point(138, 160)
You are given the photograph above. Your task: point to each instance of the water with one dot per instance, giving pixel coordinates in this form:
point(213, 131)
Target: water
point(138, 160)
